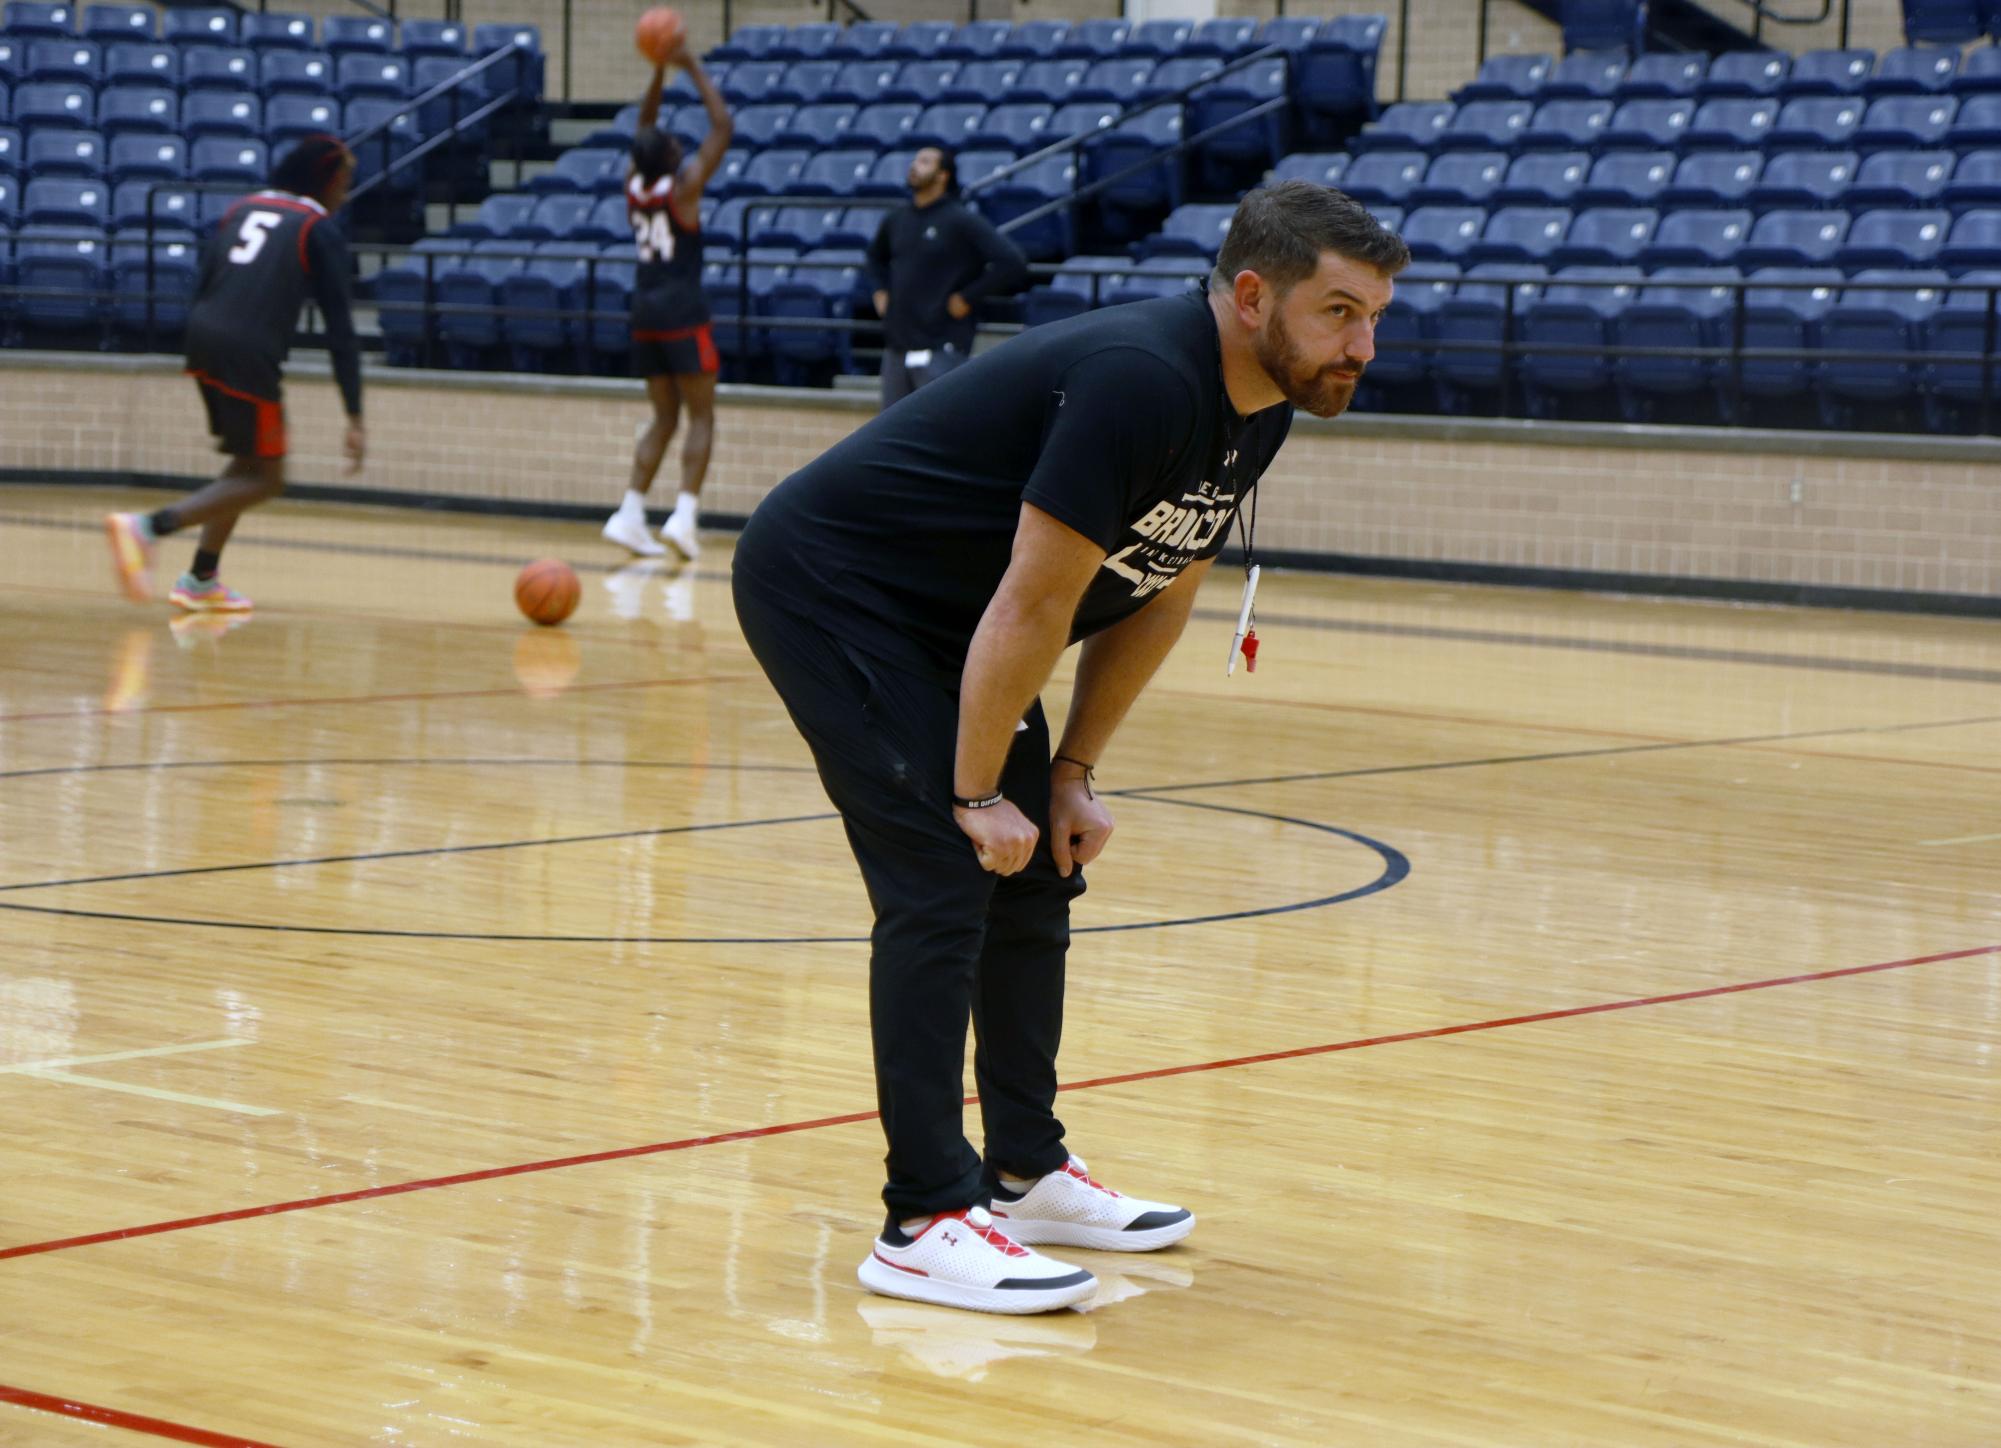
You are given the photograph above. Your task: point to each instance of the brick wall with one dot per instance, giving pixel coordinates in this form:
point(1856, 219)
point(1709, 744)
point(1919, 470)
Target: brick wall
point(1908, 514)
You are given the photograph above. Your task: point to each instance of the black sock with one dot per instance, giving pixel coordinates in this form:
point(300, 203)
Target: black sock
point(205, 564)
point(163, 522)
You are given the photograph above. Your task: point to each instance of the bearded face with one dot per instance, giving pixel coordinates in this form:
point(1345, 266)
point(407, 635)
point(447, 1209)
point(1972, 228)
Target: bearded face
point(1317, 385)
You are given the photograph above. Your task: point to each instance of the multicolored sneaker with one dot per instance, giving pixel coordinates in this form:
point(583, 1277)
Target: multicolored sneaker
point(1069, 1208)
point(963, 1260)
point(131, 554)
point(214, 596)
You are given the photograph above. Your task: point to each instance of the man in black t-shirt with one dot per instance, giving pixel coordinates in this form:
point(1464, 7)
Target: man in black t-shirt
point(932, 263)
point(909, 593)
point(268, 255)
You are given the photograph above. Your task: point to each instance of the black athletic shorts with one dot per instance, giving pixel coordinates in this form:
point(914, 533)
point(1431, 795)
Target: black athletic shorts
point(675, 351)
point(245, 401)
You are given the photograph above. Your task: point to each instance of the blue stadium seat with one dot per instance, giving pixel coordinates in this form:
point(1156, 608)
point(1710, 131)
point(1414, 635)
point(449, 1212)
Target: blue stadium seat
point(981, 80)
point(756, 126)
point(810, 41)
point(1405, 335)
point(473, 280)
point(240, 160)
point(1893, 239)
point(1805, 180)
point(1975, 183)
point(890, 176)
point(864, 40)
point(1664, 77)
point(1907, 123)
point(1648, 125)
point(1051, 179)
point(1507, 78)
point(1747, 74)
point(1050, 81)
point(13, 55)
point(70, 261)
point(1158, 39)
point(885, 127)
point(1979, 74)
point(605, 221)
point(1830, 73)
point(64, 62)
point(1815, 123)
point(772, 173)
point(1156, 276)
point(976, 40)
point(1673, 319)
point(1884, 311)
point(136, 63)
point(920, 40)
point(29, 18)
point(723, 226)
point(816, 126)
point(808, 81)
point(1963, 323)
point(11, 151)
point(949, 123)
point(1330, 169)
point(10, 201)
point(1385, 176)
point(1179, 74)
point(1730, 125)
point(1443, 233)
point(1521, 234)
point(1334, 74)
point(1977, 124)
point(797, 227)
point(550, 282)
point(1121, 79)
point(1975, 241)
point(1406, 126)
point(119, 22)
point(1626, 178)
point(1902, 178)
point(1096, 39)
point(1258, 142)
point(560, 216)
point(65, 201)
point(200, 27)
point(925, 82)
point(751, 82)
point(1917, 71)
point(1587, 75)
point(288, 118)
point(1458, 178)
point(434, 37)
point(1073, 291)
point(1225, 36)
point(1025, 127)
point(527, 39)
point(747, 42)
point(1794, 238)
point(175, 208)
point(218, 67)
point(1489, 126)
point(56, 152)
point(729, 174)
point(1474, 320)
point(271, 31)
point(124, 109)
point(1579, 308)
point(1567, 125)
point(361, 75)
point(54, 105)
point(146, 157)
point(1139, 198)
point(1082, 118)
point(1942, 22)
point(1784, 313)
point(837, 172)
point(585, 171)
point(357, 35)
point(222, 113)
point(1294, 32)
point(152, 287)
point(296, 73)
point(1544, 178)
point(1715, 179)
point(981, 163)
point(1611, 236)
point(497, 216)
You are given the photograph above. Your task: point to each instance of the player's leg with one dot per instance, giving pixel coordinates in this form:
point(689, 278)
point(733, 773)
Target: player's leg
point(698, 392)
point(246, 484)
point(627, 527)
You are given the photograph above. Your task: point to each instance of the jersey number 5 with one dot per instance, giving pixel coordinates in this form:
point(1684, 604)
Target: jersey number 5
point(654, 234)
point(251, 236)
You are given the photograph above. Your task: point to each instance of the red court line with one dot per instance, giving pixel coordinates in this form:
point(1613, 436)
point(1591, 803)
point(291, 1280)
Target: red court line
point(118, 1418)
point(371, 698)
point(182, 1224)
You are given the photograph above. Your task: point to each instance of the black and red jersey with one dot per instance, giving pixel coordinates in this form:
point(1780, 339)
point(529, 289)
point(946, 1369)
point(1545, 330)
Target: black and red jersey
point(668, 288)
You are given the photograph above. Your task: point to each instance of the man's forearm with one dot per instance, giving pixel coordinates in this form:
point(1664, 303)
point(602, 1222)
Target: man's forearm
point(1115, 666)
point(1013, 653)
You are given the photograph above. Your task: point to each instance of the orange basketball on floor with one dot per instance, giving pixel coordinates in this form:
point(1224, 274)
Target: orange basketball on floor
point(660, 33)
point(547, 591)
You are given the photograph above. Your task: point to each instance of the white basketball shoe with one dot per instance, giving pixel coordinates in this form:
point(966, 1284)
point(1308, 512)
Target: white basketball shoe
point(963, 1260)
point(1068, 1208)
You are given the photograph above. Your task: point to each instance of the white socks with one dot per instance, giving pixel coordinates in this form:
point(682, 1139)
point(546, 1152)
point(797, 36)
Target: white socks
point(688, 505)
point(635, 504)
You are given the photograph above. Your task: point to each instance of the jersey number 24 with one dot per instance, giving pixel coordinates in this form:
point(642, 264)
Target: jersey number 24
point(654, 234)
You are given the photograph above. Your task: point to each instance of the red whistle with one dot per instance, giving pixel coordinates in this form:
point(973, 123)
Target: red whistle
point(1251, 652)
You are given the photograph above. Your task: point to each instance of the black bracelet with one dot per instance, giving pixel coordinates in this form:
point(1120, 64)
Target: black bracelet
point(983, 802)
point(1090, 773)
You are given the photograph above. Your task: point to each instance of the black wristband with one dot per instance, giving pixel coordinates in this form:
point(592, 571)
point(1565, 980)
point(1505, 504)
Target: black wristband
point(987, 801)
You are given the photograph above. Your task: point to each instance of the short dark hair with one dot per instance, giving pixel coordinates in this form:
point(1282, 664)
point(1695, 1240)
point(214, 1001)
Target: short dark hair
point(655, 153)
point(309, 167)
point(1280, 230)
point(948, 162)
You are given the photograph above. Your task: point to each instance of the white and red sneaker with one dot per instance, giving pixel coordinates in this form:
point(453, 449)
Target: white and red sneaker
point(963, 1260)
point(1069, 1208)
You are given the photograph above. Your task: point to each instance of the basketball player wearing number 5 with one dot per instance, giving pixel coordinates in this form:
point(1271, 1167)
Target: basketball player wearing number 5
point(269, 254)
point(673, 347)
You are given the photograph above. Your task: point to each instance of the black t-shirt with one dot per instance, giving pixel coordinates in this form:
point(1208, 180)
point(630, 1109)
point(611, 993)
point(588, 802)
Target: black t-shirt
point(1115, 423)
point(920, 256)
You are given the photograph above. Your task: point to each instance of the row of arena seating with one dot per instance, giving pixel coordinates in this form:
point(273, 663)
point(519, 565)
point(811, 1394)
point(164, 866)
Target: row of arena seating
point(1100, 39)
point(1948, 22)
point(1753, 74)
point(24, 24)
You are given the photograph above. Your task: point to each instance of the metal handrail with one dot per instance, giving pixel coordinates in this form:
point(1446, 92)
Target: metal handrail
point(450, 86)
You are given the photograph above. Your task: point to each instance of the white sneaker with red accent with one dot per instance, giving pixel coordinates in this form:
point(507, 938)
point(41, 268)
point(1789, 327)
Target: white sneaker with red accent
point(963, 1260)
point(1069, 1208)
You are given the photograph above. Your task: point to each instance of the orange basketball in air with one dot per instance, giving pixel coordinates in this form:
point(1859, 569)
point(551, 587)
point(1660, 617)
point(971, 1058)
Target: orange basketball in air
point(660, 33)
point(547, 591)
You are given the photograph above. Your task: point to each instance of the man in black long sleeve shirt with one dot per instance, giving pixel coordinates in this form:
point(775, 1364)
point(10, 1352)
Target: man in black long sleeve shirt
point(271, 252)
point(932, 263)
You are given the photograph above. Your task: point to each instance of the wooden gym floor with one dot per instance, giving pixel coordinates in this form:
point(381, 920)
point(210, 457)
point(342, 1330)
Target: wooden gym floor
point(1574, 1020)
